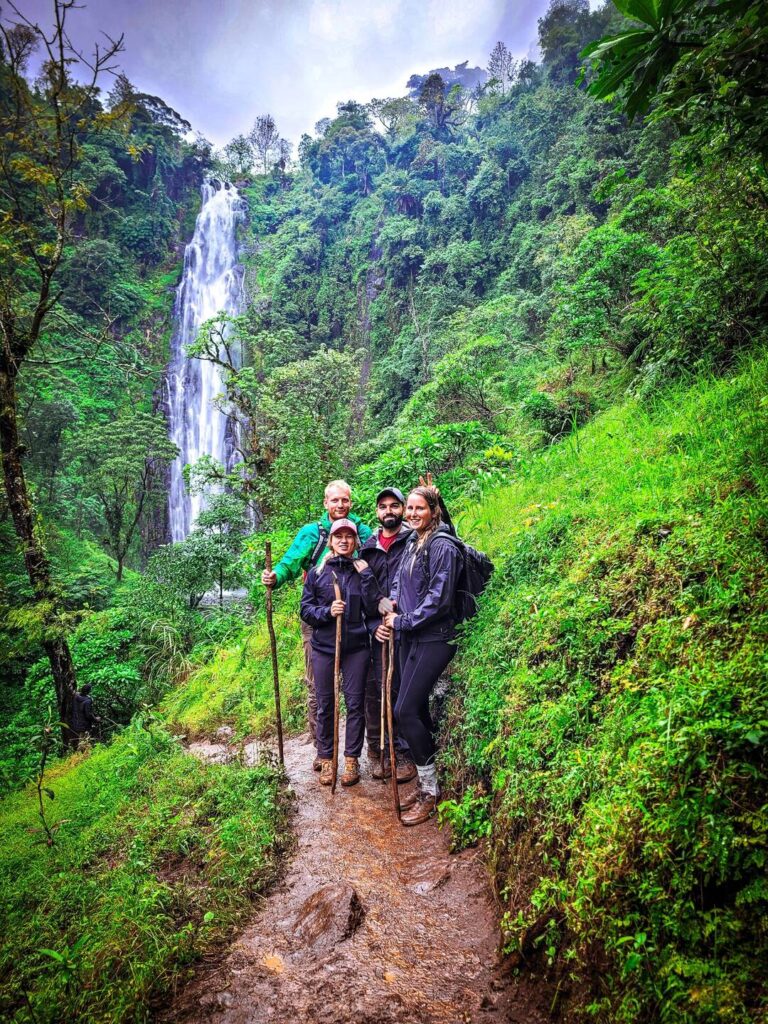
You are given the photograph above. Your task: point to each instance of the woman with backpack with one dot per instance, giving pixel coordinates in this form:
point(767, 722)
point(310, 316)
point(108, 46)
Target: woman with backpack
point(319, 609)
point(424, 621)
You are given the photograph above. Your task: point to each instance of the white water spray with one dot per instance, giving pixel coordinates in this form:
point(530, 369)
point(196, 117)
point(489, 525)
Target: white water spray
point(210, 284)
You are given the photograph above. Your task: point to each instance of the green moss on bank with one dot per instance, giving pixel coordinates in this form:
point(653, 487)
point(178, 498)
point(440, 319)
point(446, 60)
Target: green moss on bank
point(157, 855)
point(610, 722)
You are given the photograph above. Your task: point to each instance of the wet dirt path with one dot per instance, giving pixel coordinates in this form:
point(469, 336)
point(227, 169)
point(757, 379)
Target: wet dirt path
point(372, 923)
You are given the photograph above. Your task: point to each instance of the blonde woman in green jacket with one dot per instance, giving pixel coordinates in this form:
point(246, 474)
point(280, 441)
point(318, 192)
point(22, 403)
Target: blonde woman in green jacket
point(307, 549)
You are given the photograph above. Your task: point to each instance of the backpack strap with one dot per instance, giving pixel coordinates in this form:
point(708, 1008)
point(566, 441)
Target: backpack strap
point(454, 538)
point(320, 546)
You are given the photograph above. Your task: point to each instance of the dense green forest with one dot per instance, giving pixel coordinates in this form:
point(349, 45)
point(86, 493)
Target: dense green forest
point(549, 291)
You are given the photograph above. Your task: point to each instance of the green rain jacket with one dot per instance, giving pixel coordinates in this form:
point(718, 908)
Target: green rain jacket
point(296, 558)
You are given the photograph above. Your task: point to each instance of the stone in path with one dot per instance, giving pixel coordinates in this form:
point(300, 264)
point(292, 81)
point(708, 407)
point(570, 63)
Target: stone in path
point(372, 923)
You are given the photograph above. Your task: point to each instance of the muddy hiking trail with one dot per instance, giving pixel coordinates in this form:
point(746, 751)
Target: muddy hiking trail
point(371, 923)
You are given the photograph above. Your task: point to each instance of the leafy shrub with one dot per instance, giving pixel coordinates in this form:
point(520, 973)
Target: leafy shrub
point(559, 414)
point(156, 857)
point(468, 818)
point(446, 451)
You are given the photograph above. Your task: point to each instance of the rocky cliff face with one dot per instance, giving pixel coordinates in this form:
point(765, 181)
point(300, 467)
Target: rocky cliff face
point(468, 78)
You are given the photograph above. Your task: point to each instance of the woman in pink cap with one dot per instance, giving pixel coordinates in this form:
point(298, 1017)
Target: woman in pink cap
point(320, 609)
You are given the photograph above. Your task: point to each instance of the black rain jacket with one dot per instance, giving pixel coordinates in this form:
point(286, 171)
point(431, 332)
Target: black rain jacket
point(82, 712)
point(360, 591)
point(425, 588)
point(385, 564)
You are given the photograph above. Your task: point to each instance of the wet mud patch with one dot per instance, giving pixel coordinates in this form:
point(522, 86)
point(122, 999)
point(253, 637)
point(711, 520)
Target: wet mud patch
point(372, 923)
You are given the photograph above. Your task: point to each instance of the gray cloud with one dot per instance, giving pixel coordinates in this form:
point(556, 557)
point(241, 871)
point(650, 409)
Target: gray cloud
point(222, 62)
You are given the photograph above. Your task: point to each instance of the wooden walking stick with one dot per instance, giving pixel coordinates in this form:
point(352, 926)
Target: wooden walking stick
point(336, 686)
point(382, 703)
point(273, 644)
point(393, 765)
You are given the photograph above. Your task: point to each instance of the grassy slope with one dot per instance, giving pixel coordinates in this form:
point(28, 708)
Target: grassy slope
point(236, 686)
point(608, 731)
point(156, 858)
point(607, 728)
point(151, 842)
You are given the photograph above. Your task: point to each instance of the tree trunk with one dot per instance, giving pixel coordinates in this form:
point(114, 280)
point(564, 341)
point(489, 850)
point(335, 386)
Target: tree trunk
point(35, 557)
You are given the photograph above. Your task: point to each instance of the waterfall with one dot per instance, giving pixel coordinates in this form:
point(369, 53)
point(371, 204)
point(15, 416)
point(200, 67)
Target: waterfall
point(211, 283)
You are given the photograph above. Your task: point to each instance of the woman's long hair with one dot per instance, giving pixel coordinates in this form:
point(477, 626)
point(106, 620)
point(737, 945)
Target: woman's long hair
point(432, 497)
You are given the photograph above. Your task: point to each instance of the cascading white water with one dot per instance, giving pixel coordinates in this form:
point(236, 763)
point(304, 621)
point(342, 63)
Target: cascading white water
point(211, 284)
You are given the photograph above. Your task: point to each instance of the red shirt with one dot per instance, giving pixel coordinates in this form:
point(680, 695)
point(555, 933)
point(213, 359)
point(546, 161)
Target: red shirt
point(386, 542)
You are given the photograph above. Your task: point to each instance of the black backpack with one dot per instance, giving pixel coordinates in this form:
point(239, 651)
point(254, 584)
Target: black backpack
point(475, 572)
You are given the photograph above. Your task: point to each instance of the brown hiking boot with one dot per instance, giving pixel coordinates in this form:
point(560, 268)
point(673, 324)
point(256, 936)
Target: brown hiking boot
point(406, 771)
point(317, 764)
point(351, 773)
point(423, 809)
point(412, 798)
point(326, 772)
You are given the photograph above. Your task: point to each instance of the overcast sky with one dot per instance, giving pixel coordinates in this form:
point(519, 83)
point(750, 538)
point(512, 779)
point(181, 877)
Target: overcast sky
point(222, 62)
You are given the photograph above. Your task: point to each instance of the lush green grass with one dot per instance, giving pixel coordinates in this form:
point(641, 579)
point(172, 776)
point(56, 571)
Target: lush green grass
point(609, 730)
point(607, 733)
point(235, 686)
point(156, 857)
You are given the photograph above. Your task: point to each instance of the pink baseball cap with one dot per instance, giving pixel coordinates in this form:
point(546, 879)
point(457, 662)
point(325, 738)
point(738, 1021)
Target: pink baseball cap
point(343, 524)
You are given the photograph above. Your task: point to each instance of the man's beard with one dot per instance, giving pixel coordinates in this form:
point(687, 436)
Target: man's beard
point(390, 522)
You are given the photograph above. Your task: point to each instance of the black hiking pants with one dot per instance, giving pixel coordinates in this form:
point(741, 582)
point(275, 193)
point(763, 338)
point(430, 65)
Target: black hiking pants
point(421, 665)
point(401, 747)
point(372, 709)
point(354, 670)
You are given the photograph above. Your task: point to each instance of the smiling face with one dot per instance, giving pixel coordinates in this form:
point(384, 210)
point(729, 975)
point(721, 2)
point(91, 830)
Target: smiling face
point(343, 543)
point(338, 503)
point(389, 512)
point(417, 513)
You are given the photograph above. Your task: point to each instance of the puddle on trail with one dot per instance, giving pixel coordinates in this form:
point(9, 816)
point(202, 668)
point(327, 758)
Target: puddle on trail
point(372, 923)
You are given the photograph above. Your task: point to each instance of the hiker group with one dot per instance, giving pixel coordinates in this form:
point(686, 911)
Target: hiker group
point(379, 611)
